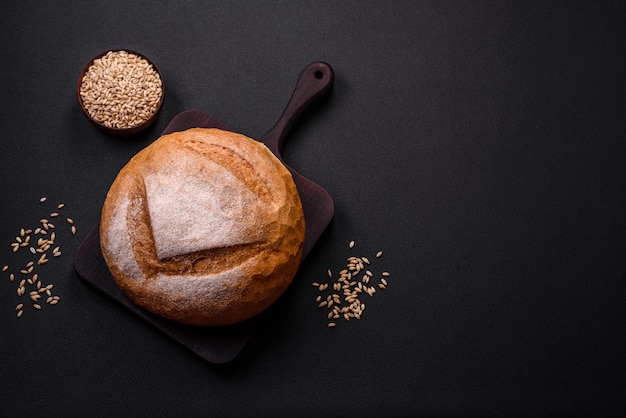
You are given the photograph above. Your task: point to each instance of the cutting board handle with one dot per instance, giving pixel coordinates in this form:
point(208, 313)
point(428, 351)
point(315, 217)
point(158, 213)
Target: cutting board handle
point(315, 80)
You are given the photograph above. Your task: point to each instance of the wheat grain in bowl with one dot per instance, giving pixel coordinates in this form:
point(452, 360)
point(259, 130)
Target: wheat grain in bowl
point(121, 91)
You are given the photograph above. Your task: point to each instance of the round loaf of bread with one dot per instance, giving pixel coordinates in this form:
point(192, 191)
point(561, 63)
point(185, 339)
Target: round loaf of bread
point(204, 227)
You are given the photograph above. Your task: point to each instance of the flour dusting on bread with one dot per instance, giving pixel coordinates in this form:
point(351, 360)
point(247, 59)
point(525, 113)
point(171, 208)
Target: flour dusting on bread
point(196, 208)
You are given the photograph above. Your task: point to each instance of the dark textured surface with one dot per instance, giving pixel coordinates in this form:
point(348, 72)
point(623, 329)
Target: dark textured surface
point(480, 145)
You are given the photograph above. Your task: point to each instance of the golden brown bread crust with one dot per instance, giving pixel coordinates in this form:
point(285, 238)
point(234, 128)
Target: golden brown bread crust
point(204, 227)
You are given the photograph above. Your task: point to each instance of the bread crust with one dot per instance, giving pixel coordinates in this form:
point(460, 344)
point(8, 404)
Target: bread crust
point(204, 227)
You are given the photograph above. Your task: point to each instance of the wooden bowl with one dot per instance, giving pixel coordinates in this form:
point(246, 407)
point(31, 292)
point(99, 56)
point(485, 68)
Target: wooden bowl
point(130, 130)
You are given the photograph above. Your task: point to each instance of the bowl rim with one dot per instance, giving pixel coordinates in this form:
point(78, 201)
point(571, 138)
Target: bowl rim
point(121, 131)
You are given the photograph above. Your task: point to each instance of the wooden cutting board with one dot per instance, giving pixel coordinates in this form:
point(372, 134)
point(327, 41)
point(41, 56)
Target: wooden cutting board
point(222, 344)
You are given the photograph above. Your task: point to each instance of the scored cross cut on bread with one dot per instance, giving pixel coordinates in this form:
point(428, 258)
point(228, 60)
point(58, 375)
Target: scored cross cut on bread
point(204, 227)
